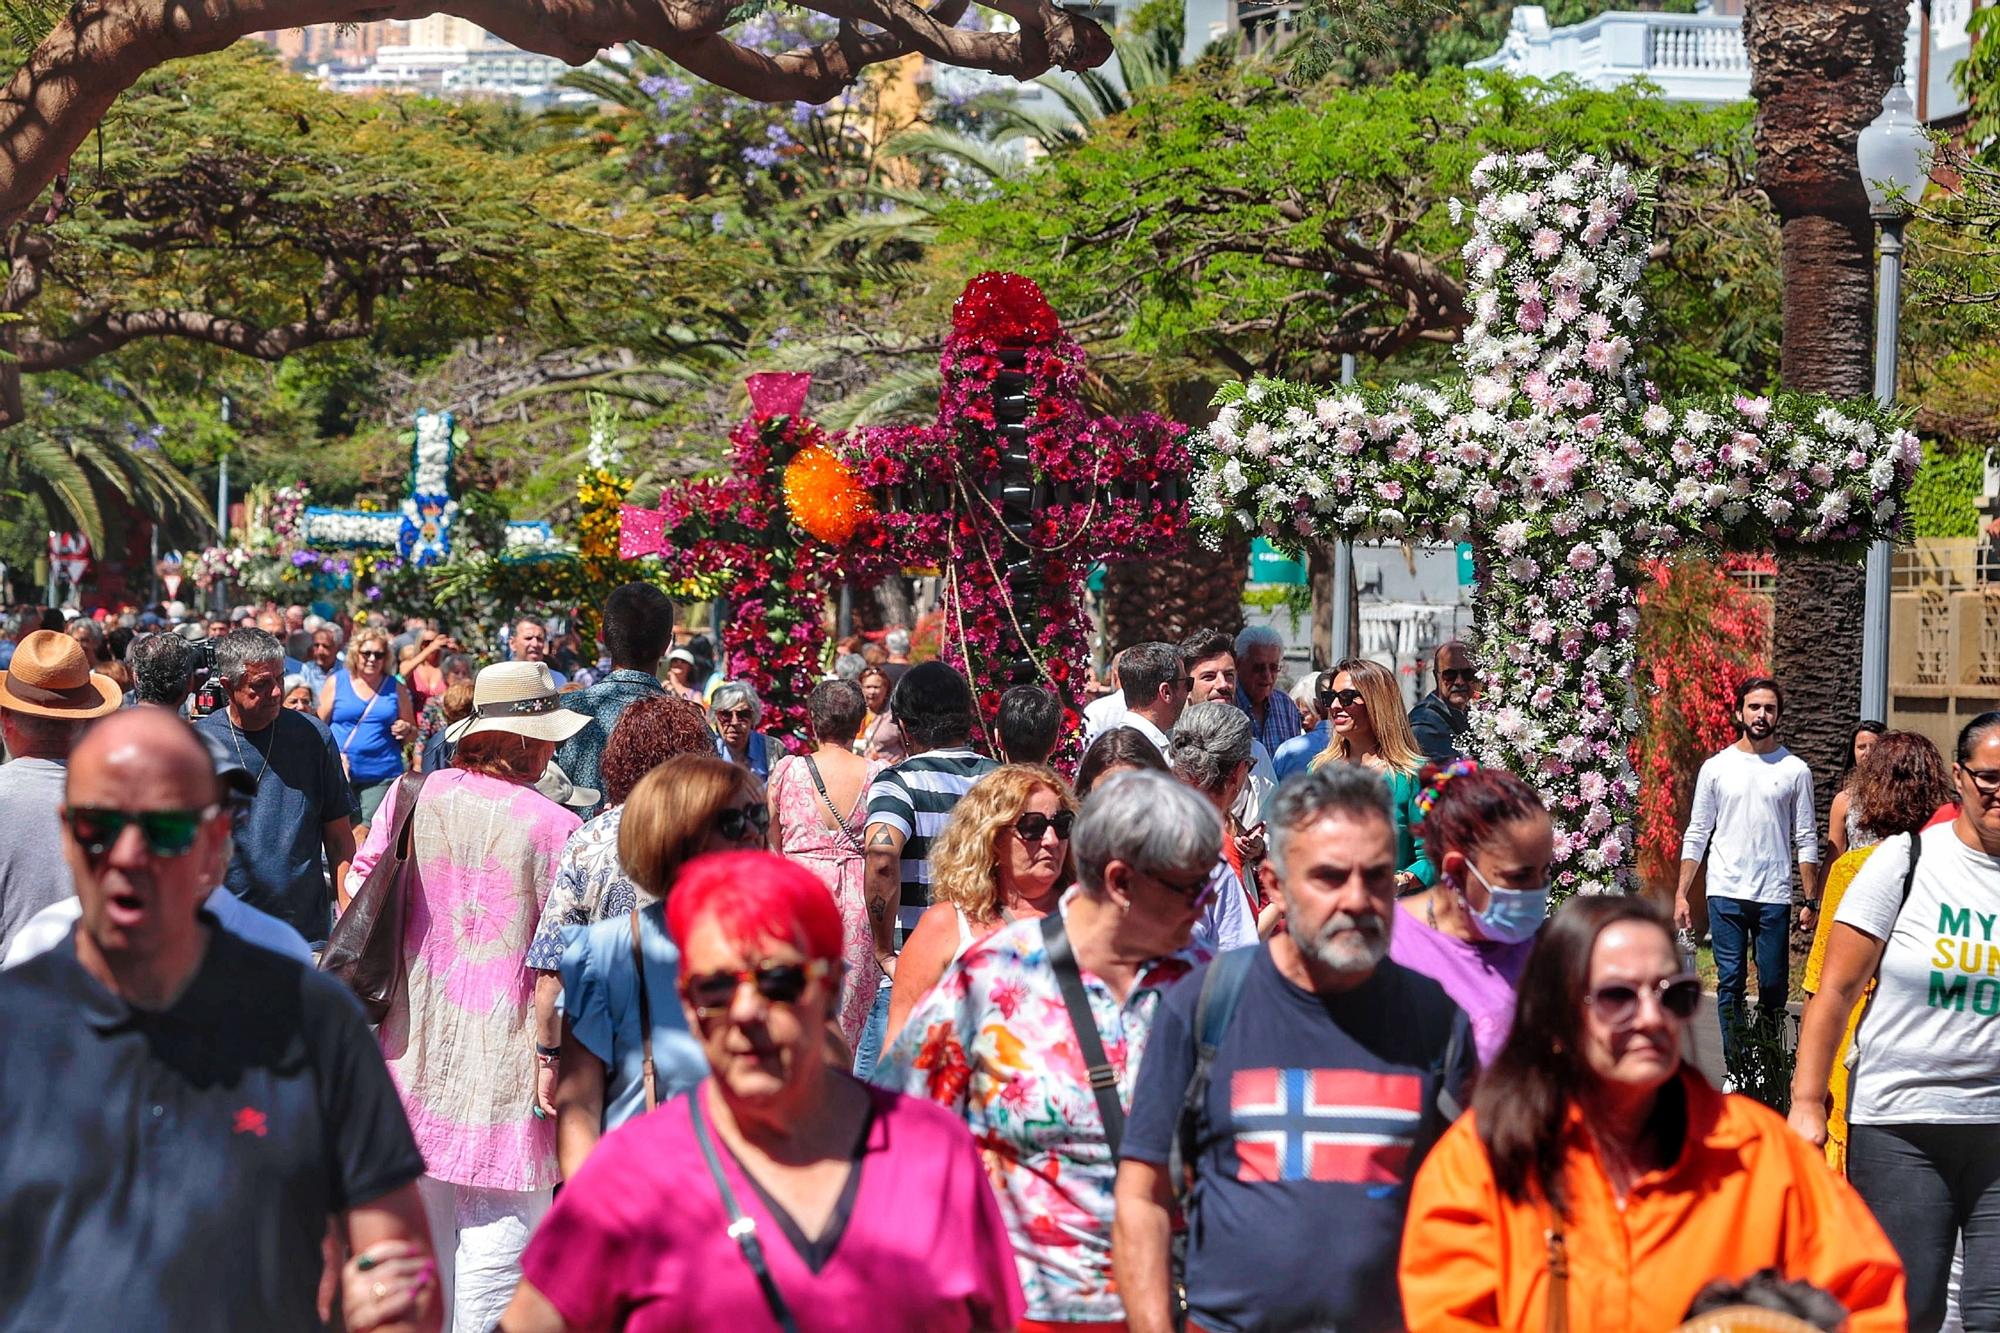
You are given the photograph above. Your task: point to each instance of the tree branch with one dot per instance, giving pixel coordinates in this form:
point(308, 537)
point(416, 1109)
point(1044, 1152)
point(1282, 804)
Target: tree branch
point(112, 330)
point(100, 49)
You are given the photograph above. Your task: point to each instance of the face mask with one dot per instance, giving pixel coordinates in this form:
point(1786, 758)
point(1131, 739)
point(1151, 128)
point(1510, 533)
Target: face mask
point(1511, 915)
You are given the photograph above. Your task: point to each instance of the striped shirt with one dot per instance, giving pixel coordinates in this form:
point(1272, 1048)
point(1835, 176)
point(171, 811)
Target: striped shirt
point(914, 798)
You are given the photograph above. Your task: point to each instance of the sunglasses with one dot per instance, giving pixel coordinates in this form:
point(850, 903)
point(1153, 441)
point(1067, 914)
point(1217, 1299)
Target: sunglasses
point(1191, 890)
point(1345, 698)
point(733, 715)
point(1617, 1002)
point(1466, 674)
point(736, 821)
point(1033, 825)
point(780, 983)
point(167, 832)
point(367, 653)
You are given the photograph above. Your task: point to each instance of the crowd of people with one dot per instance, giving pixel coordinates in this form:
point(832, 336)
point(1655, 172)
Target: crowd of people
point(1247, 1012)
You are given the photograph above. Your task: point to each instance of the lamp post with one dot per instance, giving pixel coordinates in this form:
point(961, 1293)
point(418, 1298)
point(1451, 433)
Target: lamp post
point(1895, 165)
point(1343, 564)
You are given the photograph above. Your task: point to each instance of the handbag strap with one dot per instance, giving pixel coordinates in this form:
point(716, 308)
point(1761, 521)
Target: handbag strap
point(838, 818)
point(645, 1015)
point(742, 1229)
point(409, 787)
point(1556, 1319)
point(1103, 1078)
point(366, 709)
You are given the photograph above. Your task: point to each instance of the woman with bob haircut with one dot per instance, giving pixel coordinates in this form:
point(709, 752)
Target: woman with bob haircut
point(1600, 1175)
point(618, 1016)
point(780, 1183)
point(1003, 857)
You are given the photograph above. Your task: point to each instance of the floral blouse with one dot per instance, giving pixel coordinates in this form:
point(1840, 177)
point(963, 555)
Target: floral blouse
point(993, 1042)
point(590, 886)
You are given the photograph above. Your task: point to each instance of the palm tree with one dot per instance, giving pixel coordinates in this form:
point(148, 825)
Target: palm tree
point(1818, 70)
point(74, 474)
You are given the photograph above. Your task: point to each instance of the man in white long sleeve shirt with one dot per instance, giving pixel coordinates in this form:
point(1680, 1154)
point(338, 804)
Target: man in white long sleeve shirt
point(1752, 817)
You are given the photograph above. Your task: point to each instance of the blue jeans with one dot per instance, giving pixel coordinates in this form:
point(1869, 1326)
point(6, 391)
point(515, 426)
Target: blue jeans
point(1735, 928)
point(869, 1049)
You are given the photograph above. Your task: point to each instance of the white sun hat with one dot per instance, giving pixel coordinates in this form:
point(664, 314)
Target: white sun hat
point(555, 784)
point(518, 697)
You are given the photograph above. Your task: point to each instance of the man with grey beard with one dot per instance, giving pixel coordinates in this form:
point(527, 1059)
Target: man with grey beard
point(1306, 1118)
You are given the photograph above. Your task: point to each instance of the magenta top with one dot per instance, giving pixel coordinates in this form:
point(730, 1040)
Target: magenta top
point(639, 1240)
point(1480, 978)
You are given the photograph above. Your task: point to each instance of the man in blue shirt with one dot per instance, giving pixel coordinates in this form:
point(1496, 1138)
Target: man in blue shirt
point(1339, 1071)
point(638, 626)
point(1260, 657)
point(303, 807)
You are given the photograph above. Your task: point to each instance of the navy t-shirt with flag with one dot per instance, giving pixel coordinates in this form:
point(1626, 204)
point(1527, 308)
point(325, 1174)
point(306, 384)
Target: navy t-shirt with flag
point(1319, 1111)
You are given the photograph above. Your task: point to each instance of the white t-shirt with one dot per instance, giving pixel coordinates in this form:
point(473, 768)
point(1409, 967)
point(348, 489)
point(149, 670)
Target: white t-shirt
point(1929, 1048)
point(1753, 816)
point(1102, 714)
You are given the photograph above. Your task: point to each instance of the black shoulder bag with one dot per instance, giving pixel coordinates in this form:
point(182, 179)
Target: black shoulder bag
point(1103, 1078)
point(742, 1229)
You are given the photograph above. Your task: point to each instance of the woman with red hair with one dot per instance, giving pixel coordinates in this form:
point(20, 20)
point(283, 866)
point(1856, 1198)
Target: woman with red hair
point(781, 1189)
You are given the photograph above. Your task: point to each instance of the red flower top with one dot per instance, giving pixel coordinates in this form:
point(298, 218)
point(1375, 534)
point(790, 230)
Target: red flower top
point(1004, 308)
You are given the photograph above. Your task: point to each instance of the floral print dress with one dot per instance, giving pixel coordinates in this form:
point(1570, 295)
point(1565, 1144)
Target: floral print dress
point(837, 860)
point(993, 1042)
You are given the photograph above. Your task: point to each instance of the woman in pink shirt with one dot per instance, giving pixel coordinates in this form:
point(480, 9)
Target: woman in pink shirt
point(781, 1192)
point(1489, 837)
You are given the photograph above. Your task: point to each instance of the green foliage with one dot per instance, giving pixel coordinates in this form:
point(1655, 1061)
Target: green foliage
point(1235, 221)
point(1977, 77)
point(1165, 20)
point(1368, 42)
point(1944, 499)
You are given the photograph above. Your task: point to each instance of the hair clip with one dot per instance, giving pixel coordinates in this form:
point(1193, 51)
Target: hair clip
point(1457, 768)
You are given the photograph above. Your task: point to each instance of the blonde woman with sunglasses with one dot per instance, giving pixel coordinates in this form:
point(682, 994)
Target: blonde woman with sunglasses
point(1003, 857)
point(1364, 706)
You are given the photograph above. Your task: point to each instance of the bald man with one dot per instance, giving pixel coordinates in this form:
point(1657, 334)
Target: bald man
point(186, 1110)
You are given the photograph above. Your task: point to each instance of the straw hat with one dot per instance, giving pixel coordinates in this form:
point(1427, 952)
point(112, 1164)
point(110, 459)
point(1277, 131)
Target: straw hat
point(50, 677)
point(555, 784)
point(518, 697)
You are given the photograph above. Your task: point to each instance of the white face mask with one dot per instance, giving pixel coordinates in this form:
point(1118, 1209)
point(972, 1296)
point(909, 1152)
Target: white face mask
point(1511, 915)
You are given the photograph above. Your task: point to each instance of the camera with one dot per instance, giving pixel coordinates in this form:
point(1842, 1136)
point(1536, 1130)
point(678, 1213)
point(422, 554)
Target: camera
point(210, 695)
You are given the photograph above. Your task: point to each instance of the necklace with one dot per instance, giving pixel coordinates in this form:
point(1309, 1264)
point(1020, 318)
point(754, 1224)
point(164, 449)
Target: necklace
point(236, 740)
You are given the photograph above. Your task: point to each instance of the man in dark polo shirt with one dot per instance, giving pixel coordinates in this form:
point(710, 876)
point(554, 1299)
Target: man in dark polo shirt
point(183, 1112)
point(303, 807)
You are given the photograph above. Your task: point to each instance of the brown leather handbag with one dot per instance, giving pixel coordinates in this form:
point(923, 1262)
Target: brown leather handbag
point(365, 949)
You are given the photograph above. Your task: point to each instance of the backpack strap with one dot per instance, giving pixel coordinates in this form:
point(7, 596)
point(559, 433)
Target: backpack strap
point(1910, 871)
point(1103, 1078)
point(1214, 1008)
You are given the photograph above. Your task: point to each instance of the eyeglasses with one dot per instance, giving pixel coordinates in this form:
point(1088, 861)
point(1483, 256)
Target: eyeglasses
point(1345, 698)
point(1617, 1002)
point(1987, 780)
point(1193, 890)
point(366, 653)
point(1187, 682)
point(733, 715)
point(780, 983)
point(168, 833)
point(736, 821)
point(1033, 825)
point(1466, 674)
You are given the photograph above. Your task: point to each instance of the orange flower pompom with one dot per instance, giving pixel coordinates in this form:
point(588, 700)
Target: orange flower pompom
point(824, 497)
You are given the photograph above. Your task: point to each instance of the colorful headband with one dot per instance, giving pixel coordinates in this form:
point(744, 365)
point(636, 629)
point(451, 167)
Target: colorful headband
point(1457, 768)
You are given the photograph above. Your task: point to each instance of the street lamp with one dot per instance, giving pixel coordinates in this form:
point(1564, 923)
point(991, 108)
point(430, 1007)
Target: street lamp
point(1895, 157)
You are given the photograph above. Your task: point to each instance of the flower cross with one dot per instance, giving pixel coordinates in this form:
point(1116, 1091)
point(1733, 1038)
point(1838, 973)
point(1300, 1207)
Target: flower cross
point(1015, 490)
point(419, 532)
point(1564, 470)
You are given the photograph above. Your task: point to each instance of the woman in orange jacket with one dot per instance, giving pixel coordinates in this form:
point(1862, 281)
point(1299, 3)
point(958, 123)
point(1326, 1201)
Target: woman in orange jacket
point(1599, 1183)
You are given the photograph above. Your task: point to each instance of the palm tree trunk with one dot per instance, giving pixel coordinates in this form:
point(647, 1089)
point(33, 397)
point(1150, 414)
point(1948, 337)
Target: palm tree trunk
point(1818, 69)
point(1170, 596)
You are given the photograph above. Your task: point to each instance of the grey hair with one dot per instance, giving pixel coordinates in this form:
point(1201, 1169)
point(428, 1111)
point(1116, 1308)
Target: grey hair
point(735, 691)
point(1208, 743)
point(1305, 691)
point(240, 649)
point(1258, 636)
point(1147, 820)
point(1331, 789)
point(897, 641)
point(849, 666)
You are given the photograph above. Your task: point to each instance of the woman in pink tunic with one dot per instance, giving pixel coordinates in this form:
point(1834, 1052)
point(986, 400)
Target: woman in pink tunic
point(819, 803)
point(781, 1187)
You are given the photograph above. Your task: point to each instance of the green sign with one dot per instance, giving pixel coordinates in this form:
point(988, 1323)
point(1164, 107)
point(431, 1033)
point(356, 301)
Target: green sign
point(1269, 565)
point(1465, 574)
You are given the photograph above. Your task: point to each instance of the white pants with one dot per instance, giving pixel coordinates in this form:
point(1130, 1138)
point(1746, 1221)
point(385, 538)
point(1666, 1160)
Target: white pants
point(478, 1236)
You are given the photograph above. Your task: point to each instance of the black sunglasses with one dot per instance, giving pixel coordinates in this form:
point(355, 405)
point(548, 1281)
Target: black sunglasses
point(1345, 698)
point(1193, 889)
point(1617, 1002)
point(1466, 674)
point(167, 832)
point(780, 983)
point(1034, 824)
point(736, 821)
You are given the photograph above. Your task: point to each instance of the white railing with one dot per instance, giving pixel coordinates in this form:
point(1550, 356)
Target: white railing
point(1700, 57)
